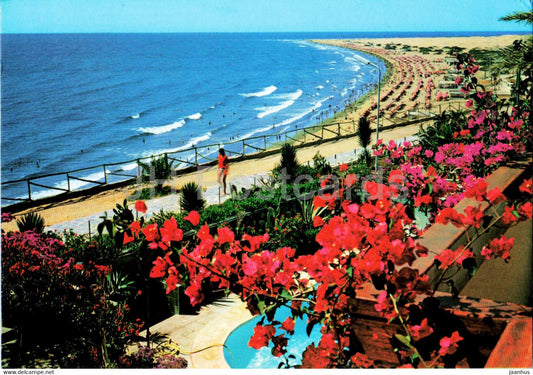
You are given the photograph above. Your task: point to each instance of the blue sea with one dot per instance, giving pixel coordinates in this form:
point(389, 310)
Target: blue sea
point(72, 101)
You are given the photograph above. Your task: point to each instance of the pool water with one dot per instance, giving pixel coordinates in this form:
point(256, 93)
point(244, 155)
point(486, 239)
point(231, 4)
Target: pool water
point(238, 354)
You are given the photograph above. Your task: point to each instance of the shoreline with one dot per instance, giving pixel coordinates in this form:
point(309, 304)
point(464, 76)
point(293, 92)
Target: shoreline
point(77, 208)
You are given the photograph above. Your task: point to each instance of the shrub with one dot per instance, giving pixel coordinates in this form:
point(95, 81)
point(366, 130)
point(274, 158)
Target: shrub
point(59, 308)
point(31, 221)
point(289, 164)
point(364, 134)
point(158, 171)
point(191, 197)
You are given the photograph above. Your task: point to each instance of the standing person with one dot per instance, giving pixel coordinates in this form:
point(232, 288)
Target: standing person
point(223, 167)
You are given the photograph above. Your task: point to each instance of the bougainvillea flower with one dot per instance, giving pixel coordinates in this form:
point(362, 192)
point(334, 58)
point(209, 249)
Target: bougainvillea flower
point(495, 196)
point(526, 210)
point(446, 258)
point(151, 232)
point(225, 235)
point(350, 179)
point(498, 248)
point(288, 325)
point(318, 221)
point(477, 190)
point(509, 217)
point(127, 239)
point(141, 206)
point(135, 228)
point(449, 214)
point(448, 345)
point(422, 330)
point(203, 233)
point(474, 216)
point(361, 360)
point(318, 202)
point(193, 217)
point(343, 167)
point(262, 336)
point(172, 279)
point(170, 231)
point(159, 269)
point(527, 186)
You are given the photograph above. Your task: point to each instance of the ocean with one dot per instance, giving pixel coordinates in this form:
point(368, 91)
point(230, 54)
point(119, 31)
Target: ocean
point(73, 101)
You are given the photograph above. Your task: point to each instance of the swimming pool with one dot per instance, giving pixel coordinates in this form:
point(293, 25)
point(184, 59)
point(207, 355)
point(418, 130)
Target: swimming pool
point(238, 354)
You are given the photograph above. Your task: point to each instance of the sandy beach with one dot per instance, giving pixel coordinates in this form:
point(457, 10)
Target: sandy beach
point(412, 87)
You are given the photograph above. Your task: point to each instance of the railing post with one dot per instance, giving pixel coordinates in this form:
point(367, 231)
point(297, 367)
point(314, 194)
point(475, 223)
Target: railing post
point(265, 139)
point(105, 175)
point(29, 189)
point(195, 156)
point(68, 182)
point(243, 148)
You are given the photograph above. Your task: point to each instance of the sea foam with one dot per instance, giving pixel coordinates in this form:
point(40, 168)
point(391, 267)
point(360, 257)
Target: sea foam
point(162, 129)
point(196, 116)
point(292, 97)
point(265, 92)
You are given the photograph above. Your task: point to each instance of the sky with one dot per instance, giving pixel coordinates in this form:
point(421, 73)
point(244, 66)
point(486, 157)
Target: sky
point(82, 16)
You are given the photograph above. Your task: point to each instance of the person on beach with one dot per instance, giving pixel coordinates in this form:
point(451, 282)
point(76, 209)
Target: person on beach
point(223, 168)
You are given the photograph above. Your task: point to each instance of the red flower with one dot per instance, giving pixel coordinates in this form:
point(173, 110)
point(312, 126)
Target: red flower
point(127, 239)
point(424, 199)
point(318, 202)
point(361, 360)
point(141, 206)
point(495, 196)
point(203, 233)
point(474, 216)
point(508, 216)
point(7, 217)
point(159, 269)
point(193, 217)
point(135, 228)
point(225, 235)
point(343, 167)
point(261, 336)
point(446, 258)
point(318, 221)
point(477, 190)
point(288, 325)
point(170, 231)
point(420, 331)
point(151, 232)
point(194, 291)
point(172, 279)
point(498, 247)
point(314, 357)
point(526, 210)
point(449, 214)
point(350, 180)
point(448, 345)
point(527, 186)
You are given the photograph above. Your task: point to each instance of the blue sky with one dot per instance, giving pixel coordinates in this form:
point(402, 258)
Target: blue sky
point(58, 16)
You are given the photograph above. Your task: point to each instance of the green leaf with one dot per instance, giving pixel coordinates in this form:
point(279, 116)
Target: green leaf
point(405, 340)
point(349, 271)
point(285, 294)
point(261, 307)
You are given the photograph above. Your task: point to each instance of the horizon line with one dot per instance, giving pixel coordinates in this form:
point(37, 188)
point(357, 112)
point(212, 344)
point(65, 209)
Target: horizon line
point(508, 32)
